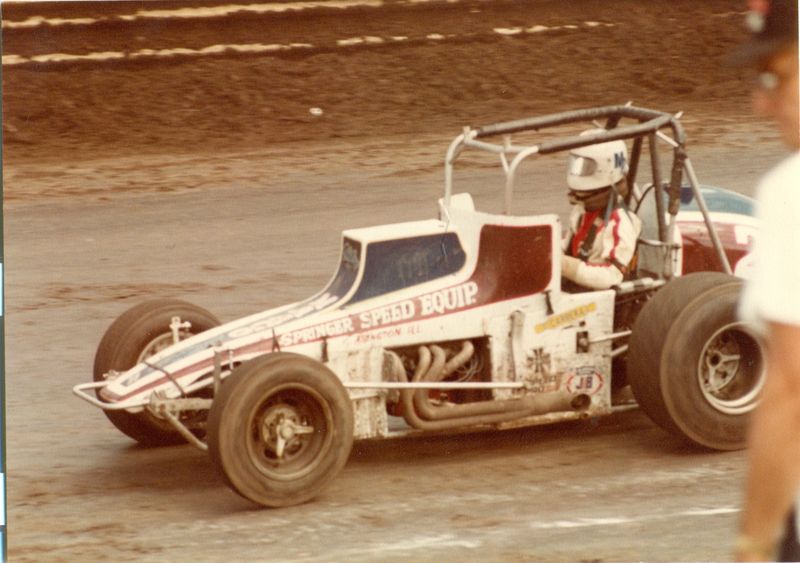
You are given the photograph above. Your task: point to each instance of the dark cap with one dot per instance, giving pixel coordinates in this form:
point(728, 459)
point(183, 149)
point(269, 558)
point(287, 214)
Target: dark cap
point(773, 26)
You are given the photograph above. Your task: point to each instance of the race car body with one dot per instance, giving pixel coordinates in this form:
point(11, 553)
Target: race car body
point(406, 285)
point(451, 323)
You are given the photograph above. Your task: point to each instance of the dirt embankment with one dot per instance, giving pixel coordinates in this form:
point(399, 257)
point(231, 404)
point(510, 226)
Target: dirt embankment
point(460, 63)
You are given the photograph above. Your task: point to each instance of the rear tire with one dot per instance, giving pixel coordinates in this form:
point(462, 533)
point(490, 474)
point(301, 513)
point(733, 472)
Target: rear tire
point(138, 333)
point(280, 428)
point(694, 368)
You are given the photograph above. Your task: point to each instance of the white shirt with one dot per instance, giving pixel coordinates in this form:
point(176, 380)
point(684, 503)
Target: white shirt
point(773, 291)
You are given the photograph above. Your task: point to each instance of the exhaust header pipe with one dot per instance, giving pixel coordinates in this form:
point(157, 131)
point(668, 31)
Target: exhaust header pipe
point(419, 412)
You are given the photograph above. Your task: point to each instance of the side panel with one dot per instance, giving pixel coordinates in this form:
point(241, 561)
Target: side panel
point(513, 263)
point(369, 405)
point(555, 352)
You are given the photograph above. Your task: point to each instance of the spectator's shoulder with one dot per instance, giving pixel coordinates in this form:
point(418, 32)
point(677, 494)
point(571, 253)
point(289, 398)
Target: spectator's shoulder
point(787, 171)
point(782, 183)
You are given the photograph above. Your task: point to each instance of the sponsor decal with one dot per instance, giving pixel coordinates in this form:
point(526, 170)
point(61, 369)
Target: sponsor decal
point(561, 319)
point(541, 361)
point(587, 380)
point(546, 383)
point(435, 303)
point(543, 381)
point(449, 299)
point(387, 315)
point(390, 332)
point(317, 332)
point(377, 335)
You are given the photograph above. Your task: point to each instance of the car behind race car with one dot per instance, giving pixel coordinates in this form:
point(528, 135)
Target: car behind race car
point(458, 322)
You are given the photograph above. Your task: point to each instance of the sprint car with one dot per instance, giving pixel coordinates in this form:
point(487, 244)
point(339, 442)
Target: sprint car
point(459, 322)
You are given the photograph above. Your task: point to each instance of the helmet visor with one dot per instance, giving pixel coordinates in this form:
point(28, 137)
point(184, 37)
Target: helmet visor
point(581, 166)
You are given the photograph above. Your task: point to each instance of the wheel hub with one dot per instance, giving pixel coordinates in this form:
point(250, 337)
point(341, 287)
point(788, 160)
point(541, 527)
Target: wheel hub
point(282, 429)
point(728, 381)
point(722, 363)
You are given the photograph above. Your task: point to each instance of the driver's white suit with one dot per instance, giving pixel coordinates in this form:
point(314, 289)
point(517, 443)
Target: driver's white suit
point(599, 246)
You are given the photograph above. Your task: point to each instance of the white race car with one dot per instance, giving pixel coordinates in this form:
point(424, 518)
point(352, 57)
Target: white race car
point(457, 322)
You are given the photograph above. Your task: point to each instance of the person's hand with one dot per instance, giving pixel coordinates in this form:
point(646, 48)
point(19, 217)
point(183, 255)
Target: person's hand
point(569, 267)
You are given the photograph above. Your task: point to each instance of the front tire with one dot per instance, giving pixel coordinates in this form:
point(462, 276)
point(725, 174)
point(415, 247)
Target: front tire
point(280, 428)
point(137, 334)
point(695, 369)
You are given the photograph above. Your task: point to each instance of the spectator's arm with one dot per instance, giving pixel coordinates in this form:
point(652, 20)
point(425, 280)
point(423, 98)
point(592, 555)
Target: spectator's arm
point(774, 448)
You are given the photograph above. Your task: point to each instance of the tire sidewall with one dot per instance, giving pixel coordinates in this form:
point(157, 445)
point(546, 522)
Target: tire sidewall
point(647, 351)
point(233, 412)
point(119, 350)
point(137, 327)
point(688, 408)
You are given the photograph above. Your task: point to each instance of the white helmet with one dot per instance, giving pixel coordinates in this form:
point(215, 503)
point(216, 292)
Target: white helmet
point(597, 166)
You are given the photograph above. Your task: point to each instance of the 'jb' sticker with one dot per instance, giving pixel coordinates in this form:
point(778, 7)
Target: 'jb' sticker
point(586, 380)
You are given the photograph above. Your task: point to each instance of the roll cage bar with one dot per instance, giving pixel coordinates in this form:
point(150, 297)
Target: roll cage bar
point(649, 124)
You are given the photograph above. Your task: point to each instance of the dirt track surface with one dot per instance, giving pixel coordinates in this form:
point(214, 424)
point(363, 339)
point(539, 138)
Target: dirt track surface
point(206, 177)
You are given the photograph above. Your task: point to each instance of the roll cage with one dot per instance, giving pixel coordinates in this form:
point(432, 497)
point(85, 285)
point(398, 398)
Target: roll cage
point(622, 122)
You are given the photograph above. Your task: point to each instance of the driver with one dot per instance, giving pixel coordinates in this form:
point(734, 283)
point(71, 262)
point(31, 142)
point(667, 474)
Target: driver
point(601, 240)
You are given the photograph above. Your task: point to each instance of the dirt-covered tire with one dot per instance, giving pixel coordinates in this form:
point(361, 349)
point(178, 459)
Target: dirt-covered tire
point(280, 428)
point(137, 334)
point(694, 368)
